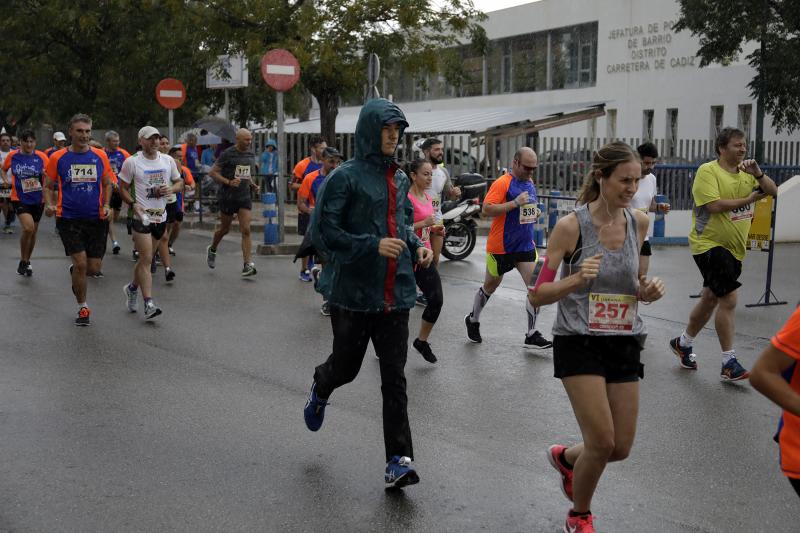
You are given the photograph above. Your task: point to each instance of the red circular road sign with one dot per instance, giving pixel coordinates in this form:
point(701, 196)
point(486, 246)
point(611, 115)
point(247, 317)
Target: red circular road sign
point(280, 69)
point(170, 93)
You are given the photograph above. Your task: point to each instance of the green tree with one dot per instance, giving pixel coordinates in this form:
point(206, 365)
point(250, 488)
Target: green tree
point(103, 58)
point(725, 26)
point(410, 36)
point(332, 39)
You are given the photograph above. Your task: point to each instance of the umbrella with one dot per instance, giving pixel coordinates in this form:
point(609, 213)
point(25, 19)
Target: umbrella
point(209, 139)
point(217, 126)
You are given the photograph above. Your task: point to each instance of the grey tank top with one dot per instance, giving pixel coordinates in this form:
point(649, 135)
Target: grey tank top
point(607, 305)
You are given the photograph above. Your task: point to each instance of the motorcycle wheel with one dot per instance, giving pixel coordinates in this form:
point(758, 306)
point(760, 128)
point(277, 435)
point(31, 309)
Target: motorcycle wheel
point(466, 235)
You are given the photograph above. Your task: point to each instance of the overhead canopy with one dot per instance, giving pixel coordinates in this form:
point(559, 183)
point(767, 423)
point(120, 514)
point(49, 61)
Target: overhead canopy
point(494, 121)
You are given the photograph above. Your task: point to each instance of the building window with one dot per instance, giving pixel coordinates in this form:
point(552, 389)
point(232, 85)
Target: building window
point(611, 124)
point(573, 56)
point(508, 70)
point(647, 125)
point(745, 117)
point(671, 137)
point(717, 116)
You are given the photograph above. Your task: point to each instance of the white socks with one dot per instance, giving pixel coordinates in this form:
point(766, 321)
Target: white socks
point(686, 340)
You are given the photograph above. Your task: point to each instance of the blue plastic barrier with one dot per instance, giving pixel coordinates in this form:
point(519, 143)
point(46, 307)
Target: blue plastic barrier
point(271, 234)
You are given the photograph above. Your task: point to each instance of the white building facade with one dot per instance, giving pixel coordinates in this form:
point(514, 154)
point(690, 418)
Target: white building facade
point(622, 52)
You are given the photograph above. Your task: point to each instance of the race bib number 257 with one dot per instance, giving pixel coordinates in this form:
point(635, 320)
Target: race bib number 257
point(611, 312)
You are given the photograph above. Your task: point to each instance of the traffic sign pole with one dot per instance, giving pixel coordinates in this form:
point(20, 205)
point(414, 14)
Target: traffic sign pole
point(280, 71)
point(281, 162)
point(171, 126)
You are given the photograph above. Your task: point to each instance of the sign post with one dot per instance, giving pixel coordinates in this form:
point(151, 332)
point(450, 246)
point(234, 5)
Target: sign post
point(763, 236)
point(229, 72)
point(170, 94)
point(281, 71)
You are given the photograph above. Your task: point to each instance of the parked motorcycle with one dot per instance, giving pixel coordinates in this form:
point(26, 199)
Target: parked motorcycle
point(459, 216)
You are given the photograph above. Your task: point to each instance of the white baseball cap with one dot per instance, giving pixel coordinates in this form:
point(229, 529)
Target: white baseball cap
point(147, 132)
point(58, 136)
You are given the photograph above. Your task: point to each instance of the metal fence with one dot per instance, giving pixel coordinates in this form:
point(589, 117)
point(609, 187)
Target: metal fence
point(563, 161)
point(205, 199)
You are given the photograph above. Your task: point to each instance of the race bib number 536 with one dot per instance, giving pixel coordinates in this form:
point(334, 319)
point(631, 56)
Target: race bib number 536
point(611, 312)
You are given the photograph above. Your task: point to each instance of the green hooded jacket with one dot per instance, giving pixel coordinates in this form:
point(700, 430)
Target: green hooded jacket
point(364, 200)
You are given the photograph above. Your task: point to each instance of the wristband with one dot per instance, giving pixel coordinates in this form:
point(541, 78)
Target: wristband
point(759, 177)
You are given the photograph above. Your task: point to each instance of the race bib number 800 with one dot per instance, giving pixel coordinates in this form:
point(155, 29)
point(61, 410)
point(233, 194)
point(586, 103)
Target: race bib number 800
point(611, 312)
point(83, 173)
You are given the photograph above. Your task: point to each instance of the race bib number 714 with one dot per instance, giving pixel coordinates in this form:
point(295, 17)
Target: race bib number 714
point(83, 173)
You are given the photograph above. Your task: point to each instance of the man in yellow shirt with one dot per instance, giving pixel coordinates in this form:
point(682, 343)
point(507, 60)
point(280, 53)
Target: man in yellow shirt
point(724, 192)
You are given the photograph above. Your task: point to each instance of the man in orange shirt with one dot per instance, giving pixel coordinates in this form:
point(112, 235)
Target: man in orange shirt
point(776, 375)
point(512, 202)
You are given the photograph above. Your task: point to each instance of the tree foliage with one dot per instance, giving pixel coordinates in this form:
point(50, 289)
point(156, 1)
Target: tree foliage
point(725, 26)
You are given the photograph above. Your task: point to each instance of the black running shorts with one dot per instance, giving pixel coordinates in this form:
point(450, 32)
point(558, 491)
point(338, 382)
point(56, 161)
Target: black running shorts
point(720, 270)
point(500, 264)
point(615, 357)
point(83, 235)
point(231, 206)
point(156, 230)
point(116, 200)
point(34, 210)
point(173, 213)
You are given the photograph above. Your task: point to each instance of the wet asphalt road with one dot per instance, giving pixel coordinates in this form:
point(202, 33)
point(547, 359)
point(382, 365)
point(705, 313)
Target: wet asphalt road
point(193, 422)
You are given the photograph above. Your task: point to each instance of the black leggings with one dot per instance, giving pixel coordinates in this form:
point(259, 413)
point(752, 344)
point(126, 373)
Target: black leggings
point(430, 283)
point(795, 484)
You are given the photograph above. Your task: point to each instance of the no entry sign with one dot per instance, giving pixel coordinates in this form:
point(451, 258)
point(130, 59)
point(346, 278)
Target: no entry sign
point(280, 69)
point(170, 93)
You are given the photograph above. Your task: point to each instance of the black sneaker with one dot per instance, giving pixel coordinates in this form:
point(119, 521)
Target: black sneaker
point(97, 275)
point(135, 256)
point(83, 317)
point(170, 275)
point(171, 251)
point(537, 341)
point(21, 268)
point(115, 249)
point(28, 269)
point(153, 266)
point(424, 348)
point(473, 329)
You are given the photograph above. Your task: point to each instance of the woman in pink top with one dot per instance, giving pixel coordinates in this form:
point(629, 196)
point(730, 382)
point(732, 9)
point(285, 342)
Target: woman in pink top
point(421, 173)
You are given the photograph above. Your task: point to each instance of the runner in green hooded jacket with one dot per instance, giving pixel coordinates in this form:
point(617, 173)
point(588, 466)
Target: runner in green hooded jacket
point(363, 226)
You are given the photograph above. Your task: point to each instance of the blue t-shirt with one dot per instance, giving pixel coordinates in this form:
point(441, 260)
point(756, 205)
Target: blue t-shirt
point(26, 171)
point(191, 159)
point(207, 157)
point(79, 178)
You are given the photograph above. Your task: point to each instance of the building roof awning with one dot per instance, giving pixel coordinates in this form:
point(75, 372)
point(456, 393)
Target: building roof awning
point(495, 121)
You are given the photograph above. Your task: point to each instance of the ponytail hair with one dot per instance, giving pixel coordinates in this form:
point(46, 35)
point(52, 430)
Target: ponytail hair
point(604, 162)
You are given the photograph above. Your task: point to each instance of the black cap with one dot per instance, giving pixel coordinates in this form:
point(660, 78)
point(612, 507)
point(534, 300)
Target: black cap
point(330, 151)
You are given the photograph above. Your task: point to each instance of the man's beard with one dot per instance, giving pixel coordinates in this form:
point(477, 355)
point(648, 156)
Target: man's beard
point(436, 161)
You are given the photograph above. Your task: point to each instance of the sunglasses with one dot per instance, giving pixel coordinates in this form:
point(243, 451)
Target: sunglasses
point(526, 168)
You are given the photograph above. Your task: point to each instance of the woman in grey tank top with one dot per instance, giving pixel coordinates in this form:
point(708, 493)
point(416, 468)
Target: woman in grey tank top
point(598, 334)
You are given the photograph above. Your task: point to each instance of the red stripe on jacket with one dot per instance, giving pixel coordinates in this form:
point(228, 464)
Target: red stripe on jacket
point(391, 226)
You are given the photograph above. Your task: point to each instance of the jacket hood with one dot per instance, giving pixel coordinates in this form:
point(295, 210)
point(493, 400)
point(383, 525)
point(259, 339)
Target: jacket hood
point(272, 143)
point(373, 116)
